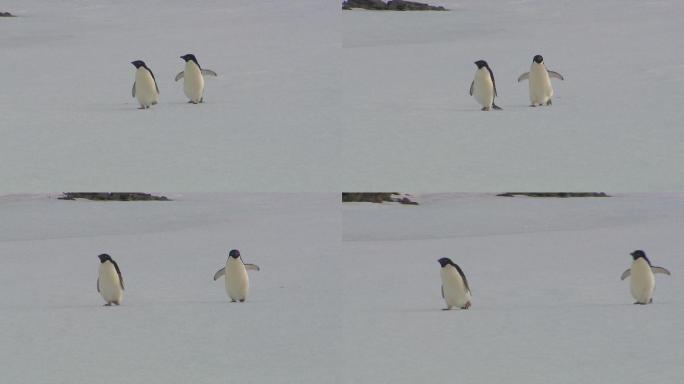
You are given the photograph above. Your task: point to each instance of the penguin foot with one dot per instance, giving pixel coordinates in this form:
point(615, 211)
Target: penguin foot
point(107, 305)
point(232, 301)
point(446, 309)
point(242, 301)
point(141, 107)
point(549, 102)
point(484, 109)
point(466, 306)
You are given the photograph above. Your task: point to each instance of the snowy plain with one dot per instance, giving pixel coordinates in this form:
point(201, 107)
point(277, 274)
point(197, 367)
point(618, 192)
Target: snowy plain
point(69, 121)
point(175, 324)
point(548, 303)
point(616, 121)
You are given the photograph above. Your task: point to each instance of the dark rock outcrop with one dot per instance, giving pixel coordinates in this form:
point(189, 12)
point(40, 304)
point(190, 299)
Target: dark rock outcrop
point(401, 5)
point(112, 196)
point(555, 194)
point(376, 197)
point(391, 5)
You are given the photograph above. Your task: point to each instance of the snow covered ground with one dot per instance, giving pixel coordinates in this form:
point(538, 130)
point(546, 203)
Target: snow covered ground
point(175, 324)
point(69, 122)
point(615, 123)
point(548, 303)
point(311, 98)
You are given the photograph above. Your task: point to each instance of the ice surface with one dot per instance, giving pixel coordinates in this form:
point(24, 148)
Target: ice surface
point(69, 122)
point(548, 303)
point(175, 324)
point(615, 123)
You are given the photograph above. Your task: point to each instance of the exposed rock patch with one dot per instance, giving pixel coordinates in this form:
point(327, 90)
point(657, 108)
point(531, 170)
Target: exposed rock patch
point(377, 197)
point(391, 5)
point(555, 194)
point(112, 196)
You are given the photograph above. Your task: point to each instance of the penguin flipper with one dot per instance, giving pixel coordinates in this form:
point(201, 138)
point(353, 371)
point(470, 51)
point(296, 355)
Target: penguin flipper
point(208, 72)
point(251, 267)
point(471, 87)
point(98, 284)
point(219, 273)
point(555, 74)
point(660, 270)
point(626, 274)
point(442, 291)
point(180, 75)
point(133, 93)
point(525, 76)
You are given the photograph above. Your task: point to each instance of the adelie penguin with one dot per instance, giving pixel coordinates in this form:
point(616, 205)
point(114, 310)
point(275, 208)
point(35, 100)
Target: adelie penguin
point(483, 87)
point(539, 78)
point(642, 282)
point(109, 280)
point(237, 280)
point(145, 85)
point(193, 75)
point(455, 289)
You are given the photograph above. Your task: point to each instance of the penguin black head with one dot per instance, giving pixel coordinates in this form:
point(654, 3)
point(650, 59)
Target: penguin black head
point(481, 63)
point(104, 257)
point(139, 63)
point(235, 254)
point(189, 57)
point(638, 254)
point(444, 261)
point(538, 59)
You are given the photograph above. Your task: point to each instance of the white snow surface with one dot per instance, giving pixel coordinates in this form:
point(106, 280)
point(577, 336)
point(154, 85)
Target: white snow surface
point(548, 303)
point(615, 123)
point(175, 324)
point(69, 121)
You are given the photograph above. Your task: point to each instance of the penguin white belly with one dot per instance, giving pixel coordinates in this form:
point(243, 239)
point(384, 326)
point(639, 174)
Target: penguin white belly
point(109, 285)
point(642, 281)
point(455, 292)
point(483, 88)
point(237, 280)
point(540, 85)
point(145, 88)
point(193, 83)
